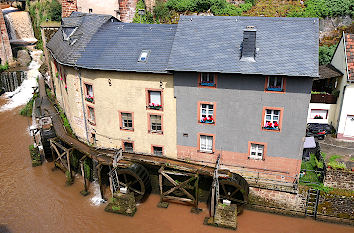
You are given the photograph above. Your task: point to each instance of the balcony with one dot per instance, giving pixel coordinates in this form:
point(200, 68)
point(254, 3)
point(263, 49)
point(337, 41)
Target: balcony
point(324, 98)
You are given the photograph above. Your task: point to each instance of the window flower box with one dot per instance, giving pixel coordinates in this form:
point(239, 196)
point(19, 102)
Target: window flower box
point(271, 126)
point(207, 84)
point(89, 99)
point(318, 117)
point(155, 106)
point(207, 120)
point(275, 89)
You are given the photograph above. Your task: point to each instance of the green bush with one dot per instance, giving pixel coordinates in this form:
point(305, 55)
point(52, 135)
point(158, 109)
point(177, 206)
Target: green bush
point(27, 109)
point(333, 163)
point(54, 13)
point(4, 67)
point(161, 12)
point(325, 54)
point(147, 18)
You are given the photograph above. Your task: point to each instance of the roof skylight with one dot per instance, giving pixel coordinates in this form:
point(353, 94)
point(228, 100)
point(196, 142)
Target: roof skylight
point(67, 32)
point(144, 56)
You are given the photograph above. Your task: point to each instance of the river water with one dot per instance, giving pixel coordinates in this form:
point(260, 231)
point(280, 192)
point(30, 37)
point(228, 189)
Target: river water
point(37, 200)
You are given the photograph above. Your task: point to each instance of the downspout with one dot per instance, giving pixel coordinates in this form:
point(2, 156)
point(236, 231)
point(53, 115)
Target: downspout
point(83, 105)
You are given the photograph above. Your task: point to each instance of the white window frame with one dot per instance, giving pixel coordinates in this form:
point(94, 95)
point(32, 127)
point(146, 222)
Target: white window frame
point(275, 81)
point(151, 124)
point(206, 143)
point(207, 111)
point(272, 115)
point(257, 151)
point(158, 154)
point(144, 55)
point(208, 76)
point(151, 99)
point(127, 119)
point(89, 92)
point(92, 114)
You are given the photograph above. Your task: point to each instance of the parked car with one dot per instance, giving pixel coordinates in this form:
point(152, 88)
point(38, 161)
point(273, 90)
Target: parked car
point(318, 130)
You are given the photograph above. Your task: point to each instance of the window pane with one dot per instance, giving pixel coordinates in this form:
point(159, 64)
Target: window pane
point(89, 90)
point(128, 146)
point(155, 97)
point(276, 112)
point(278, 82)
point(157, 150)
point(268, 111)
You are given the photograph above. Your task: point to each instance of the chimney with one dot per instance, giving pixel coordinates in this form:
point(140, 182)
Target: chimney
point(67, 7)
point(248, 46)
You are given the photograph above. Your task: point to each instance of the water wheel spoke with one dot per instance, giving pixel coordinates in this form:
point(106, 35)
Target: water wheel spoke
point(234, 192)
point(224, 189)
point(136, 191)
point(125, 178)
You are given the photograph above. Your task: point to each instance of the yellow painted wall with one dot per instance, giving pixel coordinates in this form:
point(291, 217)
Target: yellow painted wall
point(126, 93)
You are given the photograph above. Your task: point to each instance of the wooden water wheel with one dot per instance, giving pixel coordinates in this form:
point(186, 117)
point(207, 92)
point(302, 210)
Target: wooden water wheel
point(45, 136)
point(136, 179)
point(234, 189)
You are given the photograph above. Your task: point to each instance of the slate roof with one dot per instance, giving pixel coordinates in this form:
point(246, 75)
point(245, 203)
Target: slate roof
point(87, 25)
point(286, 46)
point(329, 71)
point(117, 46)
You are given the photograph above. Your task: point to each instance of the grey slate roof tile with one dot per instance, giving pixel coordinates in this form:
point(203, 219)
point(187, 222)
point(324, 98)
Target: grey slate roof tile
point(287, 46)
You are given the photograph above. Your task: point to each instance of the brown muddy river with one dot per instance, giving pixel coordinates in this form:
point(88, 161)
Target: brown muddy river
point(37, 200)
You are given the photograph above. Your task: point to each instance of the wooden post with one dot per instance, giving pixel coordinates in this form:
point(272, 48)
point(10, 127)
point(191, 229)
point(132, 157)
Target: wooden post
point(83, 175)
point(68, 161)
point(160, 183)
point(111, 184)
point(99, 167)
point(196, 186)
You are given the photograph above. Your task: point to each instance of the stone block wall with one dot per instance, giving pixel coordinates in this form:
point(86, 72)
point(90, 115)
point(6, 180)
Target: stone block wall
point(127, 10)
point(67, 7)
point(277, 201)
point(342, 179)
point(336, 207)
point(5, 52)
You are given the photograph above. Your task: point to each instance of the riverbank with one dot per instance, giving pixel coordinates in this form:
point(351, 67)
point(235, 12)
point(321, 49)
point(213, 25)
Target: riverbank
point(37, 200)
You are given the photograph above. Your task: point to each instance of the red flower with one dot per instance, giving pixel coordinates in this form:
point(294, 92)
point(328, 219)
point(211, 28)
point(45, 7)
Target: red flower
point(276, 124)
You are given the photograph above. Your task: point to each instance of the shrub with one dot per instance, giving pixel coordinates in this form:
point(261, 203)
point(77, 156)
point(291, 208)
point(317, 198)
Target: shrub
point(161, 12)
point(146, 18)
point(54, 11)
point(326, 53)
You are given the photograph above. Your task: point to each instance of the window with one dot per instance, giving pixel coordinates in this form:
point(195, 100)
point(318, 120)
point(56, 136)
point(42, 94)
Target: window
point(93, 138)
point(128, 146)
point(144, 56)
point(206, 143)
point(275, 83)
point(89, 93)
point(154, 100)
point(207, 113)
point(126, 120)
point(318, 114)
point(157, 150)
point(155, 124)
point(256, 151)
point(207, 80)
point(91, 115)
point(67, 32)
point(271, 119)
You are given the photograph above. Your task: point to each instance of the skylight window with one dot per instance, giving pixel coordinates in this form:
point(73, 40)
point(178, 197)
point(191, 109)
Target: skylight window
point(144, 56)
point(67, 32)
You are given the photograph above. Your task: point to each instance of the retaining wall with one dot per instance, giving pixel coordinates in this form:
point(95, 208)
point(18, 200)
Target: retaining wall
point(342, 179)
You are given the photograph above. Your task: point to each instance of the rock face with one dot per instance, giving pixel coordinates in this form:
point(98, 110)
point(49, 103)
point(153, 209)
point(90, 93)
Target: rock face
point(122, 204)
point(23, 58)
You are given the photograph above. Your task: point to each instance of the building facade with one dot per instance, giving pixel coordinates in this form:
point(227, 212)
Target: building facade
point(234, 87)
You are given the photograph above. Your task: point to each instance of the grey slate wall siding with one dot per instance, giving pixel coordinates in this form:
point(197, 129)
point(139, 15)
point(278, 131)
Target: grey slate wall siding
point(238, 115)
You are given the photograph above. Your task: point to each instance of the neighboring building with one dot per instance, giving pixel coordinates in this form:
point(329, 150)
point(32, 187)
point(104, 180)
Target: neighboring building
point(324, 95)
point(109, 78)
point(242, 87)
point(5, 47)
point(238, 87)
point(124, 10)
point(343, 60)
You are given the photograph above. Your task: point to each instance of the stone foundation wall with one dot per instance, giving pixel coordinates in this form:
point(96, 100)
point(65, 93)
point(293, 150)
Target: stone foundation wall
point(339, 179)
point(336, 207)
point(5, 52)
point(277, 201)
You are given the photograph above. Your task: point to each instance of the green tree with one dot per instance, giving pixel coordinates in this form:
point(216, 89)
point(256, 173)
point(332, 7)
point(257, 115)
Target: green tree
point(54, 10)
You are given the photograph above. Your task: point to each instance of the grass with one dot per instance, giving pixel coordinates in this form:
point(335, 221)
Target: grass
point(27, 109)
point(333, 163)
point(311, 168)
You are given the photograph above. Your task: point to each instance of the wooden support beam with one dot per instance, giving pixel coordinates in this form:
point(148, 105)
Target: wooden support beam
point(99, 167)
point(83, 174)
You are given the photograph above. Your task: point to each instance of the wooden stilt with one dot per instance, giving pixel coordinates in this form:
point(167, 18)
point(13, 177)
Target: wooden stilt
point(99, 168)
